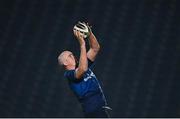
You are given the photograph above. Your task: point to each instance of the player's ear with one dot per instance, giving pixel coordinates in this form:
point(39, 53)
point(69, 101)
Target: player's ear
point(65, 63)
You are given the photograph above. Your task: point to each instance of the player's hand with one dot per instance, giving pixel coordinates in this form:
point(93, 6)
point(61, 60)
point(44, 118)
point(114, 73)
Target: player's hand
point(89, 28)
point(79, 37)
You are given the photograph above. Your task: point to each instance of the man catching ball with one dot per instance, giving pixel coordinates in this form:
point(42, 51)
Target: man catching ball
point(81, 79)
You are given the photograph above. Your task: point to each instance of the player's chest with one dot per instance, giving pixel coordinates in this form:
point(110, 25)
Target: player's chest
point(88, 75)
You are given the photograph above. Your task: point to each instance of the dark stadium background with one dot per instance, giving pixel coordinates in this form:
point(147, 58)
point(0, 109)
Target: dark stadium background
point(139, 62)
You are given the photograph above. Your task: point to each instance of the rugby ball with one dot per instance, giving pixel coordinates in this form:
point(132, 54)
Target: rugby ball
point(83, 28)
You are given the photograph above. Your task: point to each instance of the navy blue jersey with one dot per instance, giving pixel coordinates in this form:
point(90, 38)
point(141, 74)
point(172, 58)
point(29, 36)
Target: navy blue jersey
point(87, 89)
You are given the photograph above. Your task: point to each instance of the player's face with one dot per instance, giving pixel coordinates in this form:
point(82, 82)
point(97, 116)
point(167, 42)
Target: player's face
point(70, 59)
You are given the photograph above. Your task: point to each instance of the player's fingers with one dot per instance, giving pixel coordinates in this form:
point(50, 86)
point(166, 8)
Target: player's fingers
point(80, 35)
point(76, 34)
point(88, 25)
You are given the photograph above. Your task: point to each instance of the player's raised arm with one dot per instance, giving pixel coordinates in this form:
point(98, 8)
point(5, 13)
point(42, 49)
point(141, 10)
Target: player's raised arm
point(94, 46)
point(83, 64)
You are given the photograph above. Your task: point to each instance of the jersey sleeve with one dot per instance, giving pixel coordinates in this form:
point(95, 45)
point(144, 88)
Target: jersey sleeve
point(90, 64)
point(70, 74)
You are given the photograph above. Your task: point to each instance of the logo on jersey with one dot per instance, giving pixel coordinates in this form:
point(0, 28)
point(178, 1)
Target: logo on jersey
point(89, 75)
